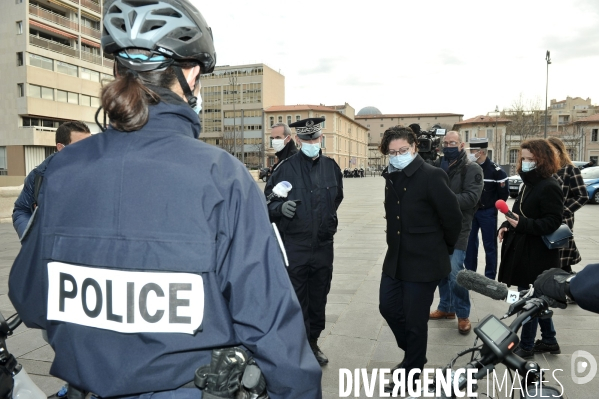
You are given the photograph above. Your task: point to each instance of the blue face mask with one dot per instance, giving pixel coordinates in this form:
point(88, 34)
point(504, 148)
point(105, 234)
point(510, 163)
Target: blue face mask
point(311, 150)
point(528, 166)
point(451, 153)
point(401, 161)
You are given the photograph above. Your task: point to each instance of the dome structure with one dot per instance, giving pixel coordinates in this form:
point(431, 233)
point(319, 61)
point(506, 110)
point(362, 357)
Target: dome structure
point(369, 111)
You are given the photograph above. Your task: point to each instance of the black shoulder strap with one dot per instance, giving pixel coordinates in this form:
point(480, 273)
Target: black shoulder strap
point(37, 185)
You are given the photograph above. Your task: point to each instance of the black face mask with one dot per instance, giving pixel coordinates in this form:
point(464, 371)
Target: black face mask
point(451, 153)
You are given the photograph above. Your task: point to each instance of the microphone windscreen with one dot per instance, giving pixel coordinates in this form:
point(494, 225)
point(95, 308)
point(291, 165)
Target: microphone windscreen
point(501, 206)
point(481, 284)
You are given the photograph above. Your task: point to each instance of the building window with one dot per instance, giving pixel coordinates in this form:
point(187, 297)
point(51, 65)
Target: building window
point(85, 100)
point(20, 90)
point(288, 119)
point(490, 134)
point(514, 156)
point(298, 118)
point(65, 68)
point(382, 125)
point(90, 75)
point(272, 121)
point(381, 134)
point(323, 144)
point(594, 134)
point(41, 62)
point(95, 102)
point(323, 123)
point(40, 122)
point(490, 154)
point(68, 97)
point(3, 162)
point(19, 58)
point(466, 136)
point(280, 119)
point(367, 125)
point(19, 27)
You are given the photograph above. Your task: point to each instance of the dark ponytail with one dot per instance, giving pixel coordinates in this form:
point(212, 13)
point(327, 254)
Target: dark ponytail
point(125, 101)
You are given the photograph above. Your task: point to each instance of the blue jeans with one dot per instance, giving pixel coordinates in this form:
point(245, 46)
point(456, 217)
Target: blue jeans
point(529, 331)
point(454, 298)
point(486, 221)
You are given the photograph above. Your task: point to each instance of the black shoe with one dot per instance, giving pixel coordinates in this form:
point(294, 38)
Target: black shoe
point(523, 353)
point(320, 357)
point(542, 347)
point(400, 365)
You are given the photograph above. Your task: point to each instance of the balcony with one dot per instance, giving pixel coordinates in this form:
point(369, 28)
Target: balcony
point(86, 30)
point(52, 17)
point(91, 57)
point(53, 46)
point(92, 5)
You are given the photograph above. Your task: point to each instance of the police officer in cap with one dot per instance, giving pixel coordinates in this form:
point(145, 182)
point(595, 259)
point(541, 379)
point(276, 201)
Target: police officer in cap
point(485, 218)
point(151, 248)
point(307, 220)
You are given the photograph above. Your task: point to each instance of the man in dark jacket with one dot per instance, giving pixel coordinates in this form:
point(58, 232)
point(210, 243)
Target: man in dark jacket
point(485, 218)
point(307, 221)
point(282, 143)
point(466, 181)
point(67, 133)
point(423, 225)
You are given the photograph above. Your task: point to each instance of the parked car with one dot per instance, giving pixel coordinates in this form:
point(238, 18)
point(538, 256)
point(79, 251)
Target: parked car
point(264, 174)
point(591, 180)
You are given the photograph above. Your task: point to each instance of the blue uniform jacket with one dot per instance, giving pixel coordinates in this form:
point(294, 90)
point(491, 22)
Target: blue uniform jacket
point(24, 203)
point(585, 288)
point(496, 186)
point(158, 200)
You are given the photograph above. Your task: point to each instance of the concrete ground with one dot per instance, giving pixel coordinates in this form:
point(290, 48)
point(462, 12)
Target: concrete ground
point(356, 335)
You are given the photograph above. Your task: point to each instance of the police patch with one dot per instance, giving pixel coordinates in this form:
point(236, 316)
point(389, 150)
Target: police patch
point(125, 301)
point(478, 178)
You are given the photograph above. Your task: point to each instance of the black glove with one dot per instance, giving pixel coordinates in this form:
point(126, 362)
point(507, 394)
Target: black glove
point(222, 377)
point(552, 283)
point(288, 209)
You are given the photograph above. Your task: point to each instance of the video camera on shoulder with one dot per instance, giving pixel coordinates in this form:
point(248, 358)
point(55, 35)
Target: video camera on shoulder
point(428, 141)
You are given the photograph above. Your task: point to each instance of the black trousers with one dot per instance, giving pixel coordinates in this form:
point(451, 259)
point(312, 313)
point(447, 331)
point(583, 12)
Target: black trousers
point(405, 306)
point(310, 271)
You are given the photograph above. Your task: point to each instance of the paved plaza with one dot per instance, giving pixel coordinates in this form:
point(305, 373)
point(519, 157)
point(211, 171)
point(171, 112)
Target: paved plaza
point(356, 335)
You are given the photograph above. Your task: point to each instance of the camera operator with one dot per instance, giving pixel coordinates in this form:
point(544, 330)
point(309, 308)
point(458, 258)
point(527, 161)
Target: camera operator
point(583, 287)
point(466, 181)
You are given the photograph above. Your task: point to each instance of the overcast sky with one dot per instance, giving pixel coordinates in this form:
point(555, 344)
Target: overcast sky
point(417, 56)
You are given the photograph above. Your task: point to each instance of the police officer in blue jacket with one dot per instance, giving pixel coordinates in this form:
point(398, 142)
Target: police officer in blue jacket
point(151, 248)
point(485, 218)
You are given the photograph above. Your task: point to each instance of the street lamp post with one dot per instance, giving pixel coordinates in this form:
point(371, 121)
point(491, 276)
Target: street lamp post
point(496, 146)
point(548, 59)
point(233, 82)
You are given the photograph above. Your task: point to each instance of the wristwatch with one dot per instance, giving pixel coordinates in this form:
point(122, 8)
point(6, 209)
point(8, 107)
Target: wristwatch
point(567, 288)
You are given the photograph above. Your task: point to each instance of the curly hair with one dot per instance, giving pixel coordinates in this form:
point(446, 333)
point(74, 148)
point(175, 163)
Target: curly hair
point(397, 133)
point(546, 160)
point(562, 153)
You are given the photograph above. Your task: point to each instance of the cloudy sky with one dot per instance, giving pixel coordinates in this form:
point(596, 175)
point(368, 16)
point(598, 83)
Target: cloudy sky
point(415, 56)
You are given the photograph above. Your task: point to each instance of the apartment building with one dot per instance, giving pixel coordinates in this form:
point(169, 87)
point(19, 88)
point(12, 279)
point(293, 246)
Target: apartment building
point(378, 122)
point(561, 113)
point(343, 138)
point(234, 98)
point(52, 67)
point(588, 129)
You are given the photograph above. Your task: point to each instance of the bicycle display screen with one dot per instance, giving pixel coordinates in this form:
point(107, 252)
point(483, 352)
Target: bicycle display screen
point(495, 330)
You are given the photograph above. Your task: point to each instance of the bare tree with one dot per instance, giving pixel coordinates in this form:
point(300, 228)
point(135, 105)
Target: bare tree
point(228, 142)
point(527, 120)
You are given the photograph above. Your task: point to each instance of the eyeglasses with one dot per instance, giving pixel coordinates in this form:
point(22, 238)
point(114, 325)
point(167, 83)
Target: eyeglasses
point(446, 144)
point(401, 151)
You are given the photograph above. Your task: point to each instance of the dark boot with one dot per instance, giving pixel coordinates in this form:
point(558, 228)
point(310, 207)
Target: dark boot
point(320, 357)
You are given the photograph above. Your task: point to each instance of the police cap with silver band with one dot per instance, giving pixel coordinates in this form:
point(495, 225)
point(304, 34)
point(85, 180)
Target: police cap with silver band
point(478, 142)
point(308, 129)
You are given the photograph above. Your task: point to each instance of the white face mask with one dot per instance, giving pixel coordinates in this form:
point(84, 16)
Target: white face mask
point(278, 144)
point(473, 157)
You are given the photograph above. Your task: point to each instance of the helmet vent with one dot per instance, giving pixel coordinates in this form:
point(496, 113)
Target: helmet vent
point(167, 12)
point(119, 23)
point(138, 3)
point(150, 25)
point(132, 16)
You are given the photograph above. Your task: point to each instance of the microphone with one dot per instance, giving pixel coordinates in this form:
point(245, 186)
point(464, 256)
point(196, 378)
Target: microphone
point(503, 208)
point(280, 190)
point(481, 284)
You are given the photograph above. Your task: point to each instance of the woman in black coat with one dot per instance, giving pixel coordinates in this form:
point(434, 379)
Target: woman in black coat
point(423, 225)
point(524, 255)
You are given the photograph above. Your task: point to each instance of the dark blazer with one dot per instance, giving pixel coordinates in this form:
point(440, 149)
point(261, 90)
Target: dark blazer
point(524, 255)
point(423, 222)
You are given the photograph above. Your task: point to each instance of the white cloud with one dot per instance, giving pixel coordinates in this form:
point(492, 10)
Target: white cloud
point(465, 56)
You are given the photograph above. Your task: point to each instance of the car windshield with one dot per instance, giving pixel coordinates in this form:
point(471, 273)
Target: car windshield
point(590, 173)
